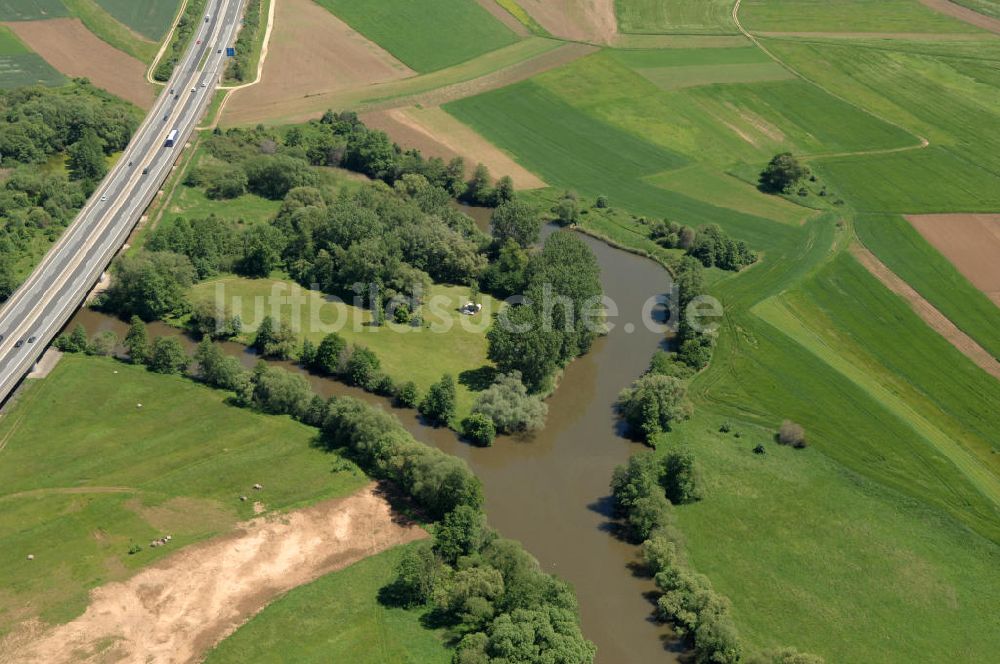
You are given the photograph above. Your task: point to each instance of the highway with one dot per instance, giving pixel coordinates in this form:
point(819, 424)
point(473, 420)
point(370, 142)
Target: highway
point(37, 311)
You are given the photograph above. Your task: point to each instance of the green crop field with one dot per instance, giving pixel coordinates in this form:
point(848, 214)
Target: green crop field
point(910, 256)
point(85, 471)
point(986, 7)
point(454, 343)
point(847, 16)
point(151, 18)
point(29, 10)
point(337, 619)
point(426, 35)
point(20, 66)
point(675, 16)
point(109, 28)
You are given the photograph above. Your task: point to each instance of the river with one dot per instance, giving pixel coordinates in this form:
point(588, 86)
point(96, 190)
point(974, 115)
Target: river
point(551, 491)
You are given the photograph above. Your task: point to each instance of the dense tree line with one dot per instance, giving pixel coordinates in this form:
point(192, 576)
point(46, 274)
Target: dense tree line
point(491, 595)
point(38, 125)
point(186, 25)
point(709, 244)
point(238, 68)
point(560, 317)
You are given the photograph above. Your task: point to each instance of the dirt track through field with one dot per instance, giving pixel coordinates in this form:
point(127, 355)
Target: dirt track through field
point(311, 52)
point(964, 14)
point(505, 17)
point(970, 241)
point(576, 20)
point(437, 134)
point(67, 45)
point(177, 609)
point(931, 315)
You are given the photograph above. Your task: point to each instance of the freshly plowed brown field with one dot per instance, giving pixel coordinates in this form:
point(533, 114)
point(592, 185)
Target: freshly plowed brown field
point(176, 610)
point(970, 241)
point(75, 51)
point(578, 20)
point(311, 52)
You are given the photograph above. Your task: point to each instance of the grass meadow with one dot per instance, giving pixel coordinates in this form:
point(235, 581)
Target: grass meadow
point(151, 18)
point(910, 256)
point(366, 631)
point(85, 472)
point(423, 35)
point(29, 10)
point(676, 17)
point(847, 16)
point(21, 66)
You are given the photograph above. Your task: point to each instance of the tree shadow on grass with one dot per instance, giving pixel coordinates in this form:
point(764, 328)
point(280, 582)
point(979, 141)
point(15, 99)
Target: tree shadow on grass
point(479, 379)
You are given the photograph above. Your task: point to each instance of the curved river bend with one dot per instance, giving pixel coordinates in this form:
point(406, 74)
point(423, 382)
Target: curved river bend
point(551, 492)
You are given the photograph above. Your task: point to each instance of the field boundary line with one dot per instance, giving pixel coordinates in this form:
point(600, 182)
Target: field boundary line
point(923, 142)
point(165, 44)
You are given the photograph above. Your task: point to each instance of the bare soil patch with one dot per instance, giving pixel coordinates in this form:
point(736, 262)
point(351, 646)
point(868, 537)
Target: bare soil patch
point(177, 609)
point(67, 45)
point(930, 314)
point(437, 134)
point(964, 14)
point(577, 20)
point(970, 241)
point(311, 52)
point(505, 17)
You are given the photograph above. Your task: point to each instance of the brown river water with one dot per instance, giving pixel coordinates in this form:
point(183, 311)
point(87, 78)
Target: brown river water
point(551, 491)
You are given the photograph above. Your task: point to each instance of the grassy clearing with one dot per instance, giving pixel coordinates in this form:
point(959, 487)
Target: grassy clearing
point(20, 66)
point(675, 16)
point(29, 10)
point(846, 16)
point(151, 18)
point(909, 255)
point(425, 35)
point(454, 343)
point(109, 29)
point(84, 472)
point(791, 533)
point(337, 618)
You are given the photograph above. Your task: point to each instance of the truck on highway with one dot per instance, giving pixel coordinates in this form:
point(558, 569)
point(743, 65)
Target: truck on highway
point(171, 138)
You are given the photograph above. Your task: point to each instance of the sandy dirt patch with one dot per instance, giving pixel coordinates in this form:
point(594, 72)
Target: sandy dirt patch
point(577, 20)
point(931, 315)
point(964, 14)
point(970, 241)
point(311, 52)
point(74, 50)
point(505, 17)
point(177, 609)
point(44, 366)
point(437, 134)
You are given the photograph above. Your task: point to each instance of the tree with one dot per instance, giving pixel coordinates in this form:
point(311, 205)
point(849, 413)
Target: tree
point(515, 220)
point(137, 341)
point(504, 191)
point(509, 406)
point(782, 173)
point(416, 576)
point(270, 340)
point(279, 391)
point(681, 477)
point(262, 247)
point(76, 342)
point(168, 356)
point(103, 343)
point(480, 188)
point(86, 157)
point(462, 532)
point(519, 342)
point(218, 369)
point(150, 284)
point(479, 429)
point(439, 404)
point(307, 355)
point(329, 355)
point(634, 480)
point(407, 395)
point(506, 275)
point(792, 434)
point(363, 368)
point(567, 211)
point(540, 634)
point(652, 404)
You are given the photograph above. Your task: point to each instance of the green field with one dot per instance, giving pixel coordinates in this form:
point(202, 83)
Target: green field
point(337, 619)
point(418, 354)
point(986, 7)
point(20, 66)
point(846, 16)
point(910, 256)
point(675, 16)
point(29, 10)
point(151, 18)
point(791, 533)
point(108, 28)
point(425, 35)
point(84, 472)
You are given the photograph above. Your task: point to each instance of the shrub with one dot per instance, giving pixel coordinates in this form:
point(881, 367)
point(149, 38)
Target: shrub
point(363, 368)
point(168, 356)
point(782, 173)
point(652, 404)
point(407, 395)
point(681, 477)
point(507, 403)
point(792, 434)
point(602, 201)
point(439, 404)
point(479, 429)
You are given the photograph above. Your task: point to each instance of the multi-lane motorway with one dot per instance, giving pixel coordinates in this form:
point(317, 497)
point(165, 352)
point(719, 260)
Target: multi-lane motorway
point(36, 312)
